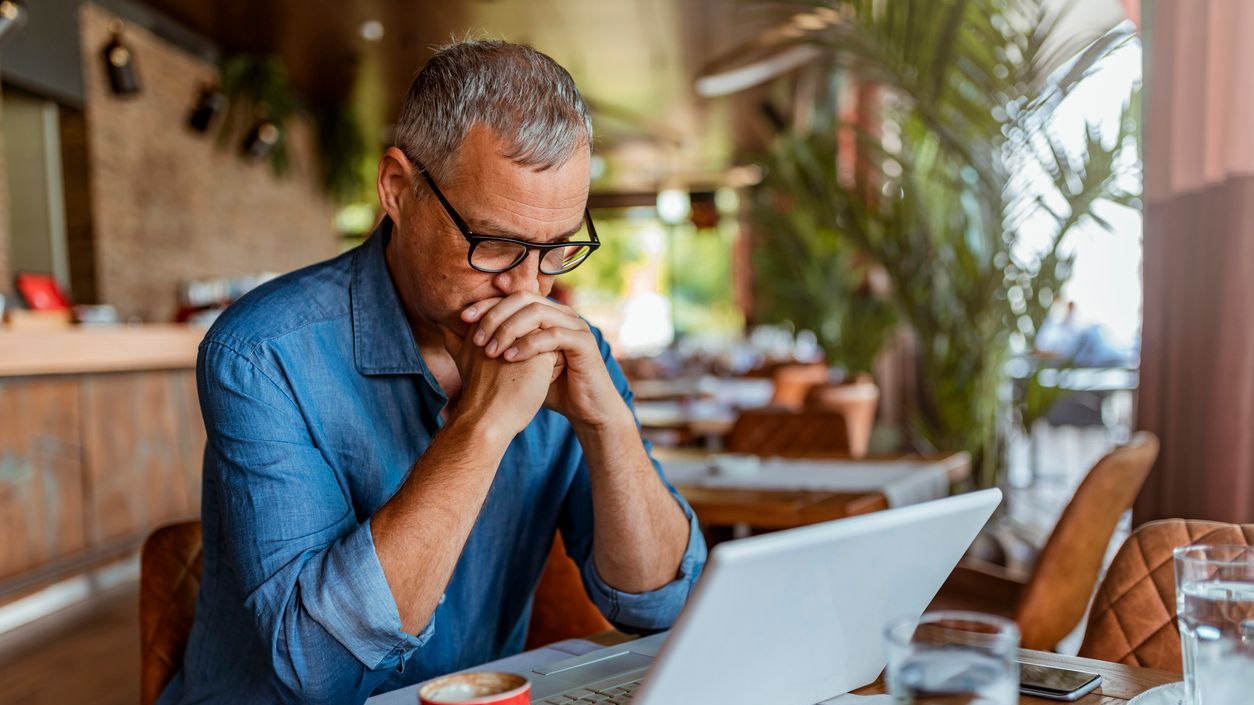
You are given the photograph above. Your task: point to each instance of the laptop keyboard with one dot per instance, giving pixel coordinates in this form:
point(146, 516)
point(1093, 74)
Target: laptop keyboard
point(612, 695)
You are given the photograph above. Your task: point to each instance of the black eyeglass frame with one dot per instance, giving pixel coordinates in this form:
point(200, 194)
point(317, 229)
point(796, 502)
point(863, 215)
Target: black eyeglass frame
point(475, 240)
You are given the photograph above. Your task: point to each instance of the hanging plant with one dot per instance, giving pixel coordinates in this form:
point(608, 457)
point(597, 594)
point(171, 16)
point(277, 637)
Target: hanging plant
point(344, 157)
point(262, 105)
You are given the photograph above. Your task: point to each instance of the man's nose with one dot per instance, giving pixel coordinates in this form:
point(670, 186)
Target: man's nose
point(523, 278)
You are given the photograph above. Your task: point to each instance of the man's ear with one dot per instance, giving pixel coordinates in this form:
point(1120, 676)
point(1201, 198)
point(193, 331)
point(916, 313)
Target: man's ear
point(395, 183)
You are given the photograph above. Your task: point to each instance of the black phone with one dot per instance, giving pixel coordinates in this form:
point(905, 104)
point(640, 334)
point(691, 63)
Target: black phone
point(1056, 683)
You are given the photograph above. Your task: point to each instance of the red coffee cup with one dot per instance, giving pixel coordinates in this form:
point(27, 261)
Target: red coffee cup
point(485, 688)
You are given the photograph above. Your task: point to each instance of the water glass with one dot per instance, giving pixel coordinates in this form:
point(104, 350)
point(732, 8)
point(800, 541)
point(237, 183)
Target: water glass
point(953, 657)
point(1215, 613)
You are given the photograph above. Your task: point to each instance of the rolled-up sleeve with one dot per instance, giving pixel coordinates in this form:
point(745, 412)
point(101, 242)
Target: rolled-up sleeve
point(632, 612)
point(306, 567)
point(655, 610)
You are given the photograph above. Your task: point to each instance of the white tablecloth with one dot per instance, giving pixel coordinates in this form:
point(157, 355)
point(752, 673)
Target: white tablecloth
point(902, 482)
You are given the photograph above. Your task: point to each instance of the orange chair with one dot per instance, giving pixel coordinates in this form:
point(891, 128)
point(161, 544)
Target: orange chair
point(1133, 620)
point(170, 569)
point(773, 431)
point(169, 580)
point(561, 609)
point(1050, 603)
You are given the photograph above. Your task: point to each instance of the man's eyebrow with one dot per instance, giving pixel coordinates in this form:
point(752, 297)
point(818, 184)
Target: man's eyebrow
point(490, 228)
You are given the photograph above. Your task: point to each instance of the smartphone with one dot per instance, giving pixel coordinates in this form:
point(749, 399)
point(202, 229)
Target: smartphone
point(1056, 683)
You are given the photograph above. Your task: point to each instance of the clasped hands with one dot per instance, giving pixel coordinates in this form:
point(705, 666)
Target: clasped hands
point(523, 351)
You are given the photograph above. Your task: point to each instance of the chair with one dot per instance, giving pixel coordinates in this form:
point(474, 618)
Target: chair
point(170, 569)
point(561, 609)
point(1050, 603)
point(169, 580)
point(1133, 620)
point(772, 431)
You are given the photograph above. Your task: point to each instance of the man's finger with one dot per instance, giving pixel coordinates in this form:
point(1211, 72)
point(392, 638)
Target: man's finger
point(475, 311)
point(503, 311)
point(558, 367)
point(532, 317)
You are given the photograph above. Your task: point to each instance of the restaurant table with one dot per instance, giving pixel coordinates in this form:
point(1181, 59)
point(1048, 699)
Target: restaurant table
point(785, 509)
point(1120, 683)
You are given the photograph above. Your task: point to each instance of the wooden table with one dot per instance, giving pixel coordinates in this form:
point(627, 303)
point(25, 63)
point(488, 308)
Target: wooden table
point(1120, 683)
point(778, 509)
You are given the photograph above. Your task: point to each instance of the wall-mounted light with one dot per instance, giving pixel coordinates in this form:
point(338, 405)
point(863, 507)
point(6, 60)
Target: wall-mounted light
point(119, 62)
point(12, 16)
point(210, 105)
point(261, 139)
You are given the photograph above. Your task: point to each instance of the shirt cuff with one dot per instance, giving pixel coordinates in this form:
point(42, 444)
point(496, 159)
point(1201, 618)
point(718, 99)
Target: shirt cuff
point(655, 610)
point(344, 590)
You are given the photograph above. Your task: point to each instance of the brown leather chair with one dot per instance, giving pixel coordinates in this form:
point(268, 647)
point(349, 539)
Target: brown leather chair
point(170, 567)
point(1133, 620)
point(773, 431)
point(1050, 603)
point(562, 609)
point(169, 580)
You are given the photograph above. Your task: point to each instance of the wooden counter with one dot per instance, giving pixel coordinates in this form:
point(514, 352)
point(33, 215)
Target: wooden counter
point(100, 442)
point(78, 350)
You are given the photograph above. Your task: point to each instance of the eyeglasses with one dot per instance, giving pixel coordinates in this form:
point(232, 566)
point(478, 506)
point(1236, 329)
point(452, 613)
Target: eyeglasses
point(492, 254)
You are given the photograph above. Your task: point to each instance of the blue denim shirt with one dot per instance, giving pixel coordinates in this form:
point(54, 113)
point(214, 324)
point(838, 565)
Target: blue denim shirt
point(317, 403)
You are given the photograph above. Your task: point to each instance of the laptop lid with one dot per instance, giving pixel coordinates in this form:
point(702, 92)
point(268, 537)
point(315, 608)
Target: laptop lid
point(796, 617)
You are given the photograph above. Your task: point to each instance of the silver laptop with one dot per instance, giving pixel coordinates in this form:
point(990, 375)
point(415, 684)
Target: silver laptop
point(790, 618)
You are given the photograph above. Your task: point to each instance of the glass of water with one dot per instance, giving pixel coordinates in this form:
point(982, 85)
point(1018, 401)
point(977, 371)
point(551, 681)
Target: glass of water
point(1215, 613)
point(964, 658)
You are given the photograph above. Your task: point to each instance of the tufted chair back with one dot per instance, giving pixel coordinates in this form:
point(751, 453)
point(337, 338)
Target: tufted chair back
point(1133, 620)
point(781, 432)
point(169, 581)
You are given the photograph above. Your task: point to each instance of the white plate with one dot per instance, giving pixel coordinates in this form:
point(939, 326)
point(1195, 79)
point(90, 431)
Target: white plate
point(1170, 694)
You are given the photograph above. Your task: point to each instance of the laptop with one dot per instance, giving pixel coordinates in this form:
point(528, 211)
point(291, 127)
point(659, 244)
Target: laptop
point(789, 618)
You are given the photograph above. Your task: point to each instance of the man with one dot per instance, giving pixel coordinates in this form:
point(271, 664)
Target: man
point(395, 434)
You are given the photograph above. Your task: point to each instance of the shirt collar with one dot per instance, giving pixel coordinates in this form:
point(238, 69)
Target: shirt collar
point(383, 342)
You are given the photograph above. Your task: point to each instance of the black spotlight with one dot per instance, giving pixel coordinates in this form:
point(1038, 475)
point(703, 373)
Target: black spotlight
point(261, 139)
point(119, 62)
point(12, 16)
point(210, 104)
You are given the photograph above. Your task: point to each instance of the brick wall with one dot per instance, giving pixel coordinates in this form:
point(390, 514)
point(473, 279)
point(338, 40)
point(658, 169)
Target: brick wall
point(168, 204)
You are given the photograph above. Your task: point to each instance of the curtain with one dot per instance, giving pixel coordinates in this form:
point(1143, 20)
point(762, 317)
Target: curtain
point(1197, 368)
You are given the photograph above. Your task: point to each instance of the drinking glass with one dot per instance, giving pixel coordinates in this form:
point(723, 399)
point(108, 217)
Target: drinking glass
point(949, 657)
point(1215, 613)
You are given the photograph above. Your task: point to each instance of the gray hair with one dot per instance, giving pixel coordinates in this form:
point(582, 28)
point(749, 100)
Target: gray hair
point(527, 99)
